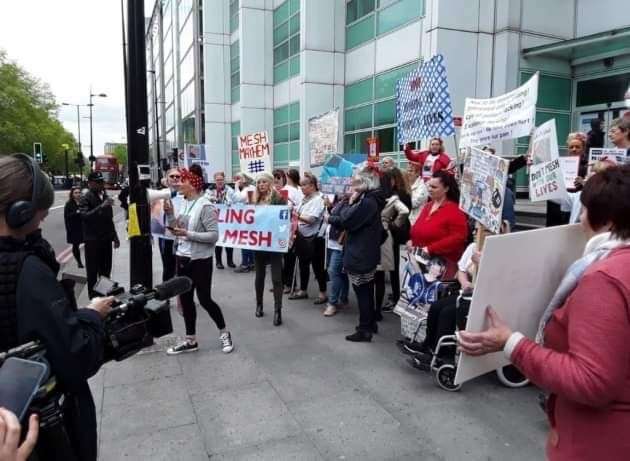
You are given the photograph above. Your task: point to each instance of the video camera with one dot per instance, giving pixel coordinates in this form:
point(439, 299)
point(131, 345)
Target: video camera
point(138, 316)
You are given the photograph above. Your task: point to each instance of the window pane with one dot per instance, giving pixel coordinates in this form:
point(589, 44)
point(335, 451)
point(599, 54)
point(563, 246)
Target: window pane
point(236, 128)
point(361, 141)
point(294, 66)
point(385, 84)
point(294, 47)
point(280, 153)
point(281, 53)
point(280, 33)
point(360, 32)
point(186, 35)
point(348, 143)
point(281, 14)
point(187, 68)
point(294, 151)
point(365, 7)
point(235, 49)
point(294, 112)
point(358, 93)
point(398, 14)
point(294, 6)
point(236, 79)
point(188, 99)
point(351, 11)
point(281, 134)
point(294, 132)
point(281, 72)
point(385, 112)
point(356, 119)
point(294, 24)
point(386, 137)
point(281, 115)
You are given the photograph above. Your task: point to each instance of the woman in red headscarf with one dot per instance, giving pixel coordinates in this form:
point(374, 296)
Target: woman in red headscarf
point(196, 228)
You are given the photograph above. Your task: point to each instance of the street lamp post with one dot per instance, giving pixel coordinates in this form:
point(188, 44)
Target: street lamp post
point(80, 152)
point(157, 127)
point(91, 105)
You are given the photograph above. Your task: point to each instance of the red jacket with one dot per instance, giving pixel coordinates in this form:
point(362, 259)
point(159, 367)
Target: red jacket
point(444, 232)
point(585, 364)
point(419, 156)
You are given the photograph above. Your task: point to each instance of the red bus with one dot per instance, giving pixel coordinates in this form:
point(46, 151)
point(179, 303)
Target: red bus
point(110, 169)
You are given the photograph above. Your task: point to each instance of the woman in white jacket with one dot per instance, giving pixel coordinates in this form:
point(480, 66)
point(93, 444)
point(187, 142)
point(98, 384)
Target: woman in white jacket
point(419, 192)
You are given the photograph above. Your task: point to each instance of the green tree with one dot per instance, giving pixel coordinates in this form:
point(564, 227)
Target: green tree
point(28, 114)
point(120, 152)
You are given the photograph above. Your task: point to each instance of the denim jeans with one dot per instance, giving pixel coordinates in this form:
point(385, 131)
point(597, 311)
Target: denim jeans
point(338, 278)
point(247, 258)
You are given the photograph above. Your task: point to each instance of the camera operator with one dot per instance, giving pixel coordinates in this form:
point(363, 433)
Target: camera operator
point(35, 306)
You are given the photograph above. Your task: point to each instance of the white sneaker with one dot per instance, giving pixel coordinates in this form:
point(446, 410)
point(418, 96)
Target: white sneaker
point(226, 342)
point(330, 310)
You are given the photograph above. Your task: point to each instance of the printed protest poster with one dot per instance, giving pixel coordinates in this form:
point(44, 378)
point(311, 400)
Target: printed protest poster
point(504, 117)
point(543, 257)
point(570, 169)
point(423, 103)
point(483, 188)
point(323, 131)
point(254, 152)
point(614, 155)
point(336, 175)
point(251, 227)
point(546, 178)
point(158, 218)
point(197, 154)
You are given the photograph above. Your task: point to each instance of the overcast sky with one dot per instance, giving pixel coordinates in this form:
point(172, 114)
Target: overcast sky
point(72, 44)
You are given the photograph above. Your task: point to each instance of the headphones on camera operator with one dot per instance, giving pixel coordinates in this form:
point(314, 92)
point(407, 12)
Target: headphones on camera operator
point(21, 212)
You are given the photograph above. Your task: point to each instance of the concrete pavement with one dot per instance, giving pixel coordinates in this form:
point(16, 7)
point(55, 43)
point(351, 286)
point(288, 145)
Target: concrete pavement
point(299, 392)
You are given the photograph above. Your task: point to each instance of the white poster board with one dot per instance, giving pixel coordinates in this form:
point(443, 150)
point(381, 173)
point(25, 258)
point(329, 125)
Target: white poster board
point(254, 152)
point(518, 275)
point(198, 154)
point(546, 180)
point(508, 116)
point(614, 155)
point(570, 169)
point(545, 143)
point(323, 131)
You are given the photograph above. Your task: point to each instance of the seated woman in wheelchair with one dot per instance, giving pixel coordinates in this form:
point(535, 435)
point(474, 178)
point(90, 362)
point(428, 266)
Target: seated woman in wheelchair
point(450, 312)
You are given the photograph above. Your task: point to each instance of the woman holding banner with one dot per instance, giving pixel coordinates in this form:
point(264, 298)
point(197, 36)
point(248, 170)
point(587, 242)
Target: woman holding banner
point(442, 228)
point(196, 228)
point(432, 160)
point(267, 195)
point(581, 354)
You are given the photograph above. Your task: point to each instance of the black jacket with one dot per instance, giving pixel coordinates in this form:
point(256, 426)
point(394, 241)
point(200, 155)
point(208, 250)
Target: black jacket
point(98, 219)
point(364, 231)
point(74, 223)
point(74, 339)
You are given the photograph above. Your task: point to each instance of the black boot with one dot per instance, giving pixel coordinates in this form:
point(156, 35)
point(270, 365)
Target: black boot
point(259, 310)
point(277, 317)
point(359, 337)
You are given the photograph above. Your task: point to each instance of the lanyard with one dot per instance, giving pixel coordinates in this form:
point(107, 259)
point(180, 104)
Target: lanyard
point(188, 210)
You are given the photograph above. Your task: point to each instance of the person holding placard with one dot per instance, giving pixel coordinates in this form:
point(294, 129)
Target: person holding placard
point(432, 160)
point(245, 190)
point(441, 228)
point(581, 354)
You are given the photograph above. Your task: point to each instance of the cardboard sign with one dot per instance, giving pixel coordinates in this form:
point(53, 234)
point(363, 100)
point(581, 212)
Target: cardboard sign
point(521, 294)
point(254, 152)
point(423, 103)
point(198, 154)
point(249, 227)
point(570, 169)
point(483, 188)
point(614, 155)
point(336, 175)
point(546, 181)
point(504, 117)
point(323, 131)
point(544, 143)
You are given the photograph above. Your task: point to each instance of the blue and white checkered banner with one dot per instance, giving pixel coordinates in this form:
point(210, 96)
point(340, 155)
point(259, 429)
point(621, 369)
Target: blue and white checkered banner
point(423, 103)
point(255, 227)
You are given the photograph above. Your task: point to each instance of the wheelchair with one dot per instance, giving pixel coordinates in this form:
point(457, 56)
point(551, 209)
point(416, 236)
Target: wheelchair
point(444, 370)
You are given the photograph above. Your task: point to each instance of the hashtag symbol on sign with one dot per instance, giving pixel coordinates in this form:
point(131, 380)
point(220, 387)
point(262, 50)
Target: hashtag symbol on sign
point(256, 166)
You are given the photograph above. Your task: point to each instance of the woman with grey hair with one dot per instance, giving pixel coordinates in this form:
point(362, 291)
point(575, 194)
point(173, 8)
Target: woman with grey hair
point(359, 215)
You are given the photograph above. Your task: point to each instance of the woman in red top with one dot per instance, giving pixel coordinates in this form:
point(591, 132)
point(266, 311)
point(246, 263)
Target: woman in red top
point(432, 160)
point(581, 355)
point(442, 228)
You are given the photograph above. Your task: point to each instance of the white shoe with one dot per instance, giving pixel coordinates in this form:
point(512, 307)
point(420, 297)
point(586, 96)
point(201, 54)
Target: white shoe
point(226, 342)
point(330, 310)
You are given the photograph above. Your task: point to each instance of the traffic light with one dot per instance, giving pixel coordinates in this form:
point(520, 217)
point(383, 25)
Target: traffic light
point(37, 152)
point(44, 157)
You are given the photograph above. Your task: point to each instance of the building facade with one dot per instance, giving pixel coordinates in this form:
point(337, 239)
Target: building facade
point(230, 67)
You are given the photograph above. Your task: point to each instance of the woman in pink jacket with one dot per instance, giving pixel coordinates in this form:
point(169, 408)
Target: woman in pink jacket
point(581, 356)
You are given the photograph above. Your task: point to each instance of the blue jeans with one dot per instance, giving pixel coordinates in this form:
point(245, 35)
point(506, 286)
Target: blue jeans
point(247, 258)
point(339, 279)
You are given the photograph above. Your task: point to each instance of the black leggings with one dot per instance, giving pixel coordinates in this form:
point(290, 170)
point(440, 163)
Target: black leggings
point(395, 274)
point(379, 290)
point(218, 251)
point(76, 251)
point(261, 259)
point(289, 268)
point(365, 299)
point(200, 272)
point(316, 259)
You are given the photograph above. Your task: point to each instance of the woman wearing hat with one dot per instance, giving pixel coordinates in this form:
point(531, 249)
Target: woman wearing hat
point(197, 232)
point(267, 195)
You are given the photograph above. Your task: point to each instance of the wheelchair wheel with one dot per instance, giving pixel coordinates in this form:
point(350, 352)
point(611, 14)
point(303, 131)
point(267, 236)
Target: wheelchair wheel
point(510, 376)
point(445, 377)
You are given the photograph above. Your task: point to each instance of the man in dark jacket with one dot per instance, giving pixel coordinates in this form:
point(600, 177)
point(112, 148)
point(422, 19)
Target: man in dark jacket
point(98, 230)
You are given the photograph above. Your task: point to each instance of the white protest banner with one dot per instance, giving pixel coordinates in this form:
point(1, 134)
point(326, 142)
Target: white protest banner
point(614, 155)
point(483, 188)
point(570, 169)
point(544, 142)
point(546, 181)
point(323, 131)
point(423, 103)
point(254, 152)
point(196, 154)
point(504, 117)
point(521, 294)
point(249, 227)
